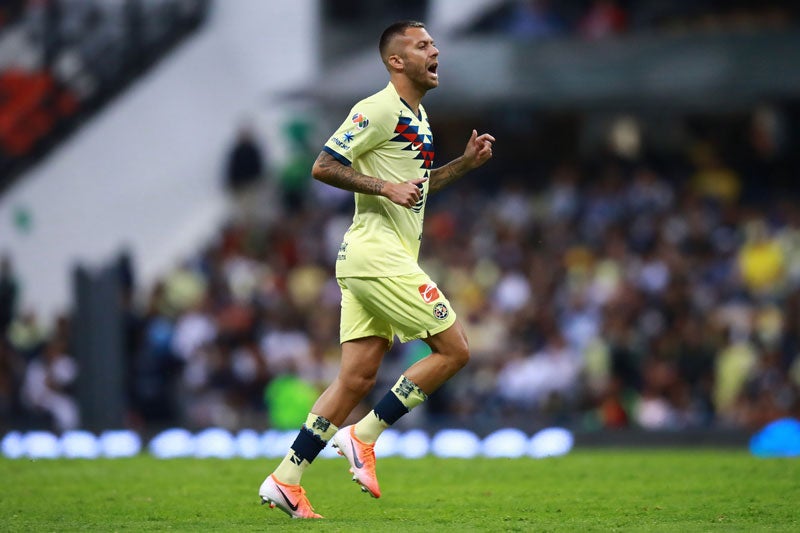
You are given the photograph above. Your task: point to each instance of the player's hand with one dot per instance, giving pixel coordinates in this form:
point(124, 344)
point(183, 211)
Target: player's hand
point(406, 194)
point(478, 150)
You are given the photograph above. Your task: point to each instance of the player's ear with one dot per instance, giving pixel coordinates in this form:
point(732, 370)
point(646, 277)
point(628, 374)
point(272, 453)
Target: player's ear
point(395, 61)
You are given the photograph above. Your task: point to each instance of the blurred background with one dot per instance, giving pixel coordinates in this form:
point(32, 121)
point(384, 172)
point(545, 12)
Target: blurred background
point(627, 266)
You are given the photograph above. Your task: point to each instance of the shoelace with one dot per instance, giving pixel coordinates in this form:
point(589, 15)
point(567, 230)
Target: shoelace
point(298, 491)
point(369, 458)
point(302, 501)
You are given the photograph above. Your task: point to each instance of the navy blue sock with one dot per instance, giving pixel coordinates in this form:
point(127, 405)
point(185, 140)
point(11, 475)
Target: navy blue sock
point(390, 408)
point(306, 446)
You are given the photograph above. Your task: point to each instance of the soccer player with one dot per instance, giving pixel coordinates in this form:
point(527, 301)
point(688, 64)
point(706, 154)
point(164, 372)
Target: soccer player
point(383, 152)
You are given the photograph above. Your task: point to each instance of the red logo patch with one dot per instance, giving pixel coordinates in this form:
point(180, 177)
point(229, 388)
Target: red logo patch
point(429, 292)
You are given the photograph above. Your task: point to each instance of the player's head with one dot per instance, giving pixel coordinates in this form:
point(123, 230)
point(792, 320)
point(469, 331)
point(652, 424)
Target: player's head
point(407, 49)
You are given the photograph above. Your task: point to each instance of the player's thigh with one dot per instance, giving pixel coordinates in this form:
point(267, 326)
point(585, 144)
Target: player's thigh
point(412, 304)
point(358, 321)
point(362, 357)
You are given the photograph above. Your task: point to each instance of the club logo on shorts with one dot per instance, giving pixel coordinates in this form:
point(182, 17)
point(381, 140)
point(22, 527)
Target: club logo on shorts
point(440, 311)
point(360, 120)
point(429, 292)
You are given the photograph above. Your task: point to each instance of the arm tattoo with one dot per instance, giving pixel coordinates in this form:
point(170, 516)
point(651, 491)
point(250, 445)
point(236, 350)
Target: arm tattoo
point(329, 170)
point(447, 174)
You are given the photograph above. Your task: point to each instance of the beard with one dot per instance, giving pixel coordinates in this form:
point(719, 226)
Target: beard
point(422, 78)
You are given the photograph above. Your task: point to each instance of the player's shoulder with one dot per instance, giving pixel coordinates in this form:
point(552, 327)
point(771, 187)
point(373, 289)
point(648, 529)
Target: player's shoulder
point(378, 108)
point(385, 97)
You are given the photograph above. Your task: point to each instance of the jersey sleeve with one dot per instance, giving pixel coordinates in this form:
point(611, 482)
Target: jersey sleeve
point(366, 127)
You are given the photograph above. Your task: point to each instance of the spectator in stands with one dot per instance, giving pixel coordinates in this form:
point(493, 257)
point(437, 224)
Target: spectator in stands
point(605, 18)
point(12, 369)
point(735, 364)
point(714, 180)
point(8, 294)
point(47, 386)
point(245, 164)
point(761, 261)
point(26, 334)
point(295, 176)
point(245, 171)
point(535, 19)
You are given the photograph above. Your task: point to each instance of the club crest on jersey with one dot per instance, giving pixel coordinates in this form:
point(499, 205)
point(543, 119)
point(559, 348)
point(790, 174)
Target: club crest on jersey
point(360, 120)
point(440, 311)
point(429, 292)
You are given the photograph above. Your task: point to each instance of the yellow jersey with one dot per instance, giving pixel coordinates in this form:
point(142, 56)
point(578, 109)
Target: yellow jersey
point(382, 137)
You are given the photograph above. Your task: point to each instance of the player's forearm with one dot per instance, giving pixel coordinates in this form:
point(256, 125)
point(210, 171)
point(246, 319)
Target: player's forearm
point(445, 175)
point(328, 170)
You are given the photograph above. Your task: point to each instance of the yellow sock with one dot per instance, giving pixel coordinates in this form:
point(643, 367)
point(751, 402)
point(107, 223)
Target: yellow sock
point(313, 437)
point(369, 428)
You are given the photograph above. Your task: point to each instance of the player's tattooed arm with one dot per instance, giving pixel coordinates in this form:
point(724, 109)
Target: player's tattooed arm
point(330, 170)
point(445, 175)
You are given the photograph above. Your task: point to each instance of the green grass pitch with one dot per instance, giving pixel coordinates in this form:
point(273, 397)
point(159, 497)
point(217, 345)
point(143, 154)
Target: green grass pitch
point(588, 490)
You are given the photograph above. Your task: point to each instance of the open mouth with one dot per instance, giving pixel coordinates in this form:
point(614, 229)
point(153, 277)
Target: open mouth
point(433, 68)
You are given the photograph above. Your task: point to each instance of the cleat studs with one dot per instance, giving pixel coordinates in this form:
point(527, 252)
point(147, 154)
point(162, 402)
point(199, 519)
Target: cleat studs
point(363, 489)
point(271, 505)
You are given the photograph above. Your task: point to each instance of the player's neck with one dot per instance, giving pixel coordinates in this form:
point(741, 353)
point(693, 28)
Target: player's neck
point(409, 92)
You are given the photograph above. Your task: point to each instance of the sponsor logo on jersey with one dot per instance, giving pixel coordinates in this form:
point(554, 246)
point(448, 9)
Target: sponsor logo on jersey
point(440, 311)
point(429, 292)
point(360, 120)
point(343, 144)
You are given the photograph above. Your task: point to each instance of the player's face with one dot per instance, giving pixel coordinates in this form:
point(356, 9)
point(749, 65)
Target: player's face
point(420, 58)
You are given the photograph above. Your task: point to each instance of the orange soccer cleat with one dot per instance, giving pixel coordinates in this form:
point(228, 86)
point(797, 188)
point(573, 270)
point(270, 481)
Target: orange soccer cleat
point(361, 457)
point(291, 499)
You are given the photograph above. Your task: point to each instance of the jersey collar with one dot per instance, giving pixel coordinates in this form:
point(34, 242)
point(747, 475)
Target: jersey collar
point(419, 113)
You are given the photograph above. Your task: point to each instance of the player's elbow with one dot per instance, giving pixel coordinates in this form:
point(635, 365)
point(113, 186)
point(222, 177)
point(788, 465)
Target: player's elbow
point(324, 168)
point(318, 170)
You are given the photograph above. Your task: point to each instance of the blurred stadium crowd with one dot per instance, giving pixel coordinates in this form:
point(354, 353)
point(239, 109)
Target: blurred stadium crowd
point(609, 294)
point(598, 19)
point(651, 290)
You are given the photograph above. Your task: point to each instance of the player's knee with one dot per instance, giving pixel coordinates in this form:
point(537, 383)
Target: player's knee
point(359, 384)
point(459, 355)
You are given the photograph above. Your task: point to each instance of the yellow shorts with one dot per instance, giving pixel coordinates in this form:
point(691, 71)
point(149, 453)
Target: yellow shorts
point(409, 306)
